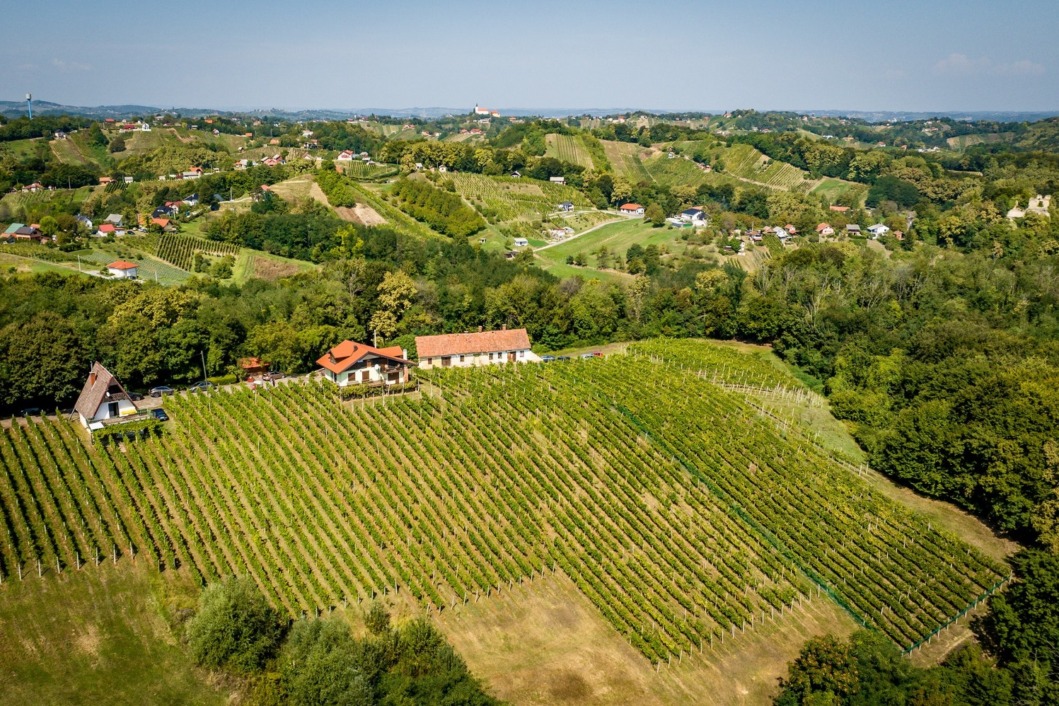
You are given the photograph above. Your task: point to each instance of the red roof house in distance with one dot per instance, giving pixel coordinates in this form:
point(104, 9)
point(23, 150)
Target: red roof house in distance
point(839, 209)
point(631, 209)
point(463, 350)
point(351, 363)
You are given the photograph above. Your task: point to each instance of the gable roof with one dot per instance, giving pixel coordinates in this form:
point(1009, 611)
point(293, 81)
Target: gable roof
point(630, 207)
point(106, 228)
point(348, 353)
point(122, 265)
point(463, 343)
point(13, 227)
point(822, 227)
point(96, 388)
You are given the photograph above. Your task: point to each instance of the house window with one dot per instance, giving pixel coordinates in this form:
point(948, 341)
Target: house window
point(522, 354)
point(112, 409)
point(463, 358)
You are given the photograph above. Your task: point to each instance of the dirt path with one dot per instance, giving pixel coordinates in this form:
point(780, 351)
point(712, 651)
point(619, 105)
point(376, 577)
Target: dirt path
point(361, 213)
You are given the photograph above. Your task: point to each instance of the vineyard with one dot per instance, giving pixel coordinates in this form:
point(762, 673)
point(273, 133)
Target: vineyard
point(363, 170)
point(746, 162)
point(626, 160)
point(681, 513)
point(568, 148)
point(180, 250)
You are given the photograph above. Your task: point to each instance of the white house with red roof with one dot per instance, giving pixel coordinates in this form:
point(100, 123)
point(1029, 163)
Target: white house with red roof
point(102, 398)
point(122, 269)
point(346, 156)
point(631, 209)
point(464, 350)
point(352, 363)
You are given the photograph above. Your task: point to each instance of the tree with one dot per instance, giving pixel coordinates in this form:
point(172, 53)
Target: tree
point(395, 297)
point(654, 215)
point(41, 360)
point(825, 668)
point(117, 144)
point(234, 628)
point(323, 665)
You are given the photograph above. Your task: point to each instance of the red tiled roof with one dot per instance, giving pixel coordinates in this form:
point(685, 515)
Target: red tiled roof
point(122, 265)
point(163, 222)
point(106, 228)
point(630, 207)
point(822, 226)
point(840, 209)
point(463, 343)
point(347, 353)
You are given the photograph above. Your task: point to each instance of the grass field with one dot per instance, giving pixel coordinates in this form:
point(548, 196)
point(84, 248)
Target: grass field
point(98, 636)
point(568, 148)
point(543, 643)
point(617, 237)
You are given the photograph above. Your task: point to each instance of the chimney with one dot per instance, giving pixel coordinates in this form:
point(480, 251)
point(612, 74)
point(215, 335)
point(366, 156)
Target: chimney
point(92, 377)
point(331, 356)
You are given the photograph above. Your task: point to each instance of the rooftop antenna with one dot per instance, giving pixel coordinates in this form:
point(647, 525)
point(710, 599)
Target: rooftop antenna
point(29, 104)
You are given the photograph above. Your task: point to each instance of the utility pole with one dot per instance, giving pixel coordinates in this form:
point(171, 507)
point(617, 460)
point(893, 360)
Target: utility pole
point(29, 104)
point(203, 354)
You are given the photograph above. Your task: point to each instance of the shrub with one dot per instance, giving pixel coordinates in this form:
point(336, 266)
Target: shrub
point(234, 627)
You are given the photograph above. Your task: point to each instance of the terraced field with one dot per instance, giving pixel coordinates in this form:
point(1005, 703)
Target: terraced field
point(680, 513)
point(747, 162)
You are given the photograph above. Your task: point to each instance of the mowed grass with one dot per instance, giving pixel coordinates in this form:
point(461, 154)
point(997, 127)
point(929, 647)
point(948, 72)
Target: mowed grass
point(568, 148)
point(98, 636)
point(543, 643)
point(617, 237)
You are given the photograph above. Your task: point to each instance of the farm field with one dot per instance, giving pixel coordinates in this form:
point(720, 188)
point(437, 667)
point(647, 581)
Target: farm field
point(626, 158)
point(835, 189)
point(99, 636)
point(748, 163)
point(504, 199)
point(683, 516)
point(568, 148)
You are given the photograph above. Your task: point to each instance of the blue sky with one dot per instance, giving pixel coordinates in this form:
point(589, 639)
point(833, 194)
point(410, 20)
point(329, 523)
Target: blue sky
point(766, 54)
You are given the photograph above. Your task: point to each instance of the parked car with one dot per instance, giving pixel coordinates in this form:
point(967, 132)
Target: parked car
point(547, 358)
point(31, 412)
point(274, 375)
point(159, 414)
point(135, 396)
point(161, 391)
point(563, 357)
point(201, 386)
point(588, 355)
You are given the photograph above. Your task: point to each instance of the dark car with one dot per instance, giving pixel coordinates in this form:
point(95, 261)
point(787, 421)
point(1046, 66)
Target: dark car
point(135, 396)
point(547, 358)
point(201, 386)
point(31, 412)
point(159, 414)
point(161, 390)
point(563, 357)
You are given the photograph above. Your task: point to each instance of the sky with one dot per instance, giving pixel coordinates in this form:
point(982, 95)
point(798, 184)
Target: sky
point(903, 55)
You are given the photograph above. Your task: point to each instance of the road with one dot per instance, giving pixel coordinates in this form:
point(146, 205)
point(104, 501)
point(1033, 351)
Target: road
point(578, 235)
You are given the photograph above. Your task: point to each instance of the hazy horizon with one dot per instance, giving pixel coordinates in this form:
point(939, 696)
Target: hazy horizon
point(677, 56)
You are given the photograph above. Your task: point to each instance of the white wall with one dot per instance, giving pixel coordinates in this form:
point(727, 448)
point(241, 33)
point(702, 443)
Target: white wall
point(474, 359)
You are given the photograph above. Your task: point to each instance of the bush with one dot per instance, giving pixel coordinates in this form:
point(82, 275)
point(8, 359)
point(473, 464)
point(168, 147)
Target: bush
point(357, 392)
point(321, 664)
point(235, 627)
point(230, 379)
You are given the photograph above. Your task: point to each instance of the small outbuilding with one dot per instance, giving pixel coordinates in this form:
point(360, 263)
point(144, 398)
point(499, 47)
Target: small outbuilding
point(123, 269)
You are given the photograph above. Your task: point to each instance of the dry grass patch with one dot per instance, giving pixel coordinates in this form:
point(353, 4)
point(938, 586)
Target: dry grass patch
point(544, 643)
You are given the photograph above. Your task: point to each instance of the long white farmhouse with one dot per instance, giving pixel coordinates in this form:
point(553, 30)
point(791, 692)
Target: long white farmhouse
point(463, 350)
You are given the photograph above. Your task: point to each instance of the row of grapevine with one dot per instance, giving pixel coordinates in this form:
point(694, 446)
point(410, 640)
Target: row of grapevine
point(180, 250)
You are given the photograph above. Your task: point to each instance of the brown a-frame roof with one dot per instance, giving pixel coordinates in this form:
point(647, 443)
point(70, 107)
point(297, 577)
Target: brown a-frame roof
point(100, 380)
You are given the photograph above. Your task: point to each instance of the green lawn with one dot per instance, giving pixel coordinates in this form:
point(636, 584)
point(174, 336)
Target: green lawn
point(98, 636)
point(617, 237)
